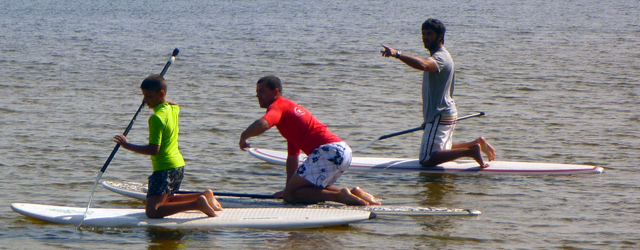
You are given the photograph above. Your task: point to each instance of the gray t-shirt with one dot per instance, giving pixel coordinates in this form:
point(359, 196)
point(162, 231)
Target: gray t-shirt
point(437, 88)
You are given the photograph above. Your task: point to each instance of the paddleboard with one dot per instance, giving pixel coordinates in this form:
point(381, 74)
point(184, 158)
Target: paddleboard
point(265, 218)
point(453, 167)
point(138, 191)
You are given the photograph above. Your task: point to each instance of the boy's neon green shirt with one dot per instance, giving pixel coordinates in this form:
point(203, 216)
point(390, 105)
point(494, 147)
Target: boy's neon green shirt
point(163, 131)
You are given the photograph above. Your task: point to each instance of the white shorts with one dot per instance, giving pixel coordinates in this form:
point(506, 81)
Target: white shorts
point(326, 163)
point(437, 136)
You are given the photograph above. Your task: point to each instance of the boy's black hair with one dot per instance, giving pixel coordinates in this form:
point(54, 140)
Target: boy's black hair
point(154, 83)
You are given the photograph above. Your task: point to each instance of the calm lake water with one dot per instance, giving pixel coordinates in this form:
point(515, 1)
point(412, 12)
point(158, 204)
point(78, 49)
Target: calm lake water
point(558, 80)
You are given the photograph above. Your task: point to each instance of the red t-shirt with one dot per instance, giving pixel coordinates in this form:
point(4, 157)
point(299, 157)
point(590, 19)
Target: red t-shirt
point(302, 130)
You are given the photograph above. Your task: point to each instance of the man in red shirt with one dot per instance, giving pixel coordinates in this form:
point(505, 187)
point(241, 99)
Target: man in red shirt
point(328, 156)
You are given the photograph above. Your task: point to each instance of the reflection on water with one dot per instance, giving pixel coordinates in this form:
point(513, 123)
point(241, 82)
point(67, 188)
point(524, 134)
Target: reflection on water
point(160, 238)
point(167, 239)
point(307, 239)
point(436, 188)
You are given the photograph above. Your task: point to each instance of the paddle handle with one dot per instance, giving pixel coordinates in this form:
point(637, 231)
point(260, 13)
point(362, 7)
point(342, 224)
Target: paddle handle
point(470, 116)
point(171, 60)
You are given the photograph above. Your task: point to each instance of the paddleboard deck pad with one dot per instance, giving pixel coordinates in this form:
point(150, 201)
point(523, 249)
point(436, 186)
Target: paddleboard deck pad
point(453, 167)
point(264, 218)
point(138, 191)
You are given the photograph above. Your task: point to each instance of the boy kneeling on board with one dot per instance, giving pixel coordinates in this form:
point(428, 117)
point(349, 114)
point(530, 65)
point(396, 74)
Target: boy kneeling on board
point(168, 163)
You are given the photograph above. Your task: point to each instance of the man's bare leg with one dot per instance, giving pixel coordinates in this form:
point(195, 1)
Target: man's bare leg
point(487, 148)
point(299, 190)
point(357, 191)
point(346, 197)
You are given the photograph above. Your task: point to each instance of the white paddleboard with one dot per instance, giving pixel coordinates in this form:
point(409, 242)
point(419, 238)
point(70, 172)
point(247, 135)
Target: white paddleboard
point(137, 191)
point(266, 218)
point(454, 167)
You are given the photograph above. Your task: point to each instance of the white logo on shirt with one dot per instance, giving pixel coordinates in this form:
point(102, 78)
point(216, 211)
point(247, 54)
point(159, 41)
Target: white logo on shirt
point(298, 111)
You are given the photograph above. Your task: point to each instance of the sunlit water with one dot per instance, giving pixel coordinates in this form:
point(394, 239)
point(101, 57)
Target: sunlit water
point(558, 81)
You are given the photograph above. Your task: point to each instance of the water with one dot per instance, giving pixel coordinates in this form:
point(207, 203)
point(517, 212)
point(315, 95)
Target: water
point(558, 81)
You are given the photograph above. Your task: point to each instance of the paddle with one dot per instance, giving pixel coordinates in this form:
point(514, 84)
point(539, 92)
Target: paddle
point(126, 131)
point(421, 127)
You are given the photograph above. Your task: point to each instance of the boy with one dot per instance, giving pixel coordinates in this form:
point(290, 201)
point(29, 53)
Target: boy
point(168, 163)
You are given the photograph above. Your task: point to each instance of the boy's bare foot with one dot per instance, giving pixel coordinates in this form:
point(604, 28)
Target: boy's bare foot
point(477, 155)
point(357, 191)
point(348, 198)
point(205, 207)
point(487, 148)
point(213, 202)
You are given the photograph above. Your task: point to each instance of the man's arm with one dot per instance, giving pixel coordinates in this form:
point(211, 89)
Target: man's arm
point(292, 166)
point(413, 61)
point(256, 128)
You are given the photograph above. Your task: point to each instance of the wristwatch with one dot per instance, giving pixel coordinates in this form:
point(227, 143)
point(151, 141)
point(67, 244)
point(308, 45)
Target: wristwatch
point(398, 54)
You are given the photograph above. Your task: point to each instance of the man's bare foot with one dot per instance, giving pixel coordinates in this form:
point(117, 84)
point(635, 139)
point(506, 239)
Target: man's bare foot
point(205, 207)
point(348, 198)
point(477, 155)
point(213, 202)
point(357, 191)
point(487, 148)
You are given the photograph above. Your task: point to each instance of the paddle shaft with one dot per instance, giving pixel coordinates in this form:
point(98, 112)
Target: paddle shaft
point(421, 127)
point(126, 131)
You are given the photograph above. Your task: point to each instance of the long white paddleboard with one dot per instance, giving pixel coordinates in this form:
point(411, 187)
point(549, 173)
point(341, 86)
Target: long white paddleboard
point(454, 167)
point(266, 218)
point(137, 191)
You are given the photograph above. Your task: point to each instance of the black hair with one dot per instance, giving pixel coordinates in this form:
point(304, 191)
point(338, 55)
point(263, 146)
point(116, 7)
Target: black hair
point(273, 82)
point(435, 25)
point(154, 83)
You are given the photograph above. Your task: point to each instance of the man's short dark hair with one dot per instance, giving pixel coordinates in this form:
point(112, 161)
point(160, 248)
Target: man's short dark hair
point(435, 25)
point(154, 83)
point(273, 82)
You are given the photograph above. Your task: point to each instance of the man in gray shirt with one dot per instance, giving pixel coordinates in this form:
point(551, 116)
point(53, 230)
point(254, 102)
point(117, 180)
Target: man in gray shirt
point(438, 107)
